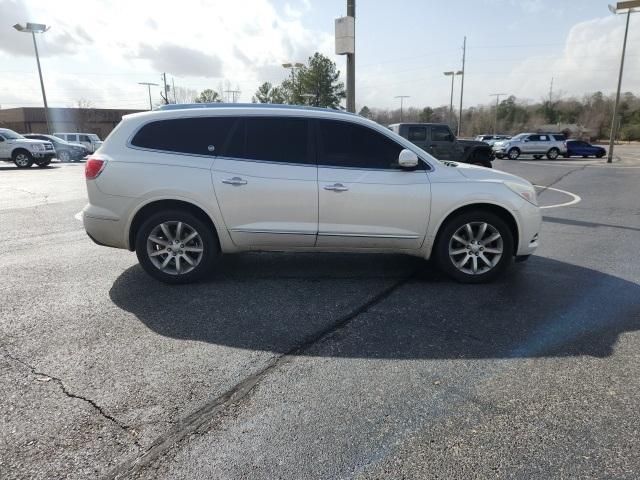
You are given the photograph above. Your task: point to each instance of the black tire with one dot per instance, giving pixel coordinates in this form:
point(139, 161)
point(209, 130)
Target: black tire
point(64, 156)
point(513, 153)
point(207, 241)
point(22, 158)
point(445, 237)
point(45, 162)
point(600, 155)
point(553, 153)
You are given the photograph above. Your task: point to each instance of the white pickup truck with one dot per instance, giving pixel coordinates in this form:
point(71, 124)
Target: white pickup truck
point(24, 152)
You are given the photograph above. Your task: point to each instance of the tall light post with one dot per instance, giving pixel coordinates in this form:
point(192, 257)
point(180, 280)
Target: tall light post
point(293, 67)
point(149, 85)
point(453, 76)
point(628, 6)
point(497, 95)
point(464, 58)
point(34, 28)
point(401, 97)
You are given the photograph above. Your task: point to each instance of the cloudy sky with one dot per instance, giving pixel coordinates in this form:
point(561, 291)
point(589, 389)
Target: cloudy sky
point(97, 50)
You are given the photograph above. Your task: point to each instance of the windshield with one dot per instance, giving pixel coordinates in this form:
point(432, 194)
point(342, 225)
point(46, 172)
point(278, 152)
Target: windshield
point(519, 136)
point(94, 137)
point(11, 135)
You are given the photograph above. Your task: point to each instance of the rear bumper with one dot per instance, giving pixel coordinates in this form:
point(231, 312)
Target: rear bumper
point(102, 230)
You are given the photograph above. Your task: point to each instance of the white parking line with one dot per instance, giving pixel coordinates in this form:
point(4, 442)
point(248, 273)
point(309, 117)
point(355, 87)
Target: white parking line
point(575, 198)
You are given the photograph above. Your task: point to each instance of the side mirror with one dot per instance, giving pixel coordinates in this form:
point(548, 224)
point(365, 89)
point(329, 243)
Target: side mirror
point(407, 159)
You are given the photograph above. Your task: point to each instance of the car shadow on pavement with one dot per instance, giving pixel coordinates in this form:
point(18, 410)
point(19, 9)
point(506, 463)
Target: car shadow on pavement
point(7, 168)
point(277, 302)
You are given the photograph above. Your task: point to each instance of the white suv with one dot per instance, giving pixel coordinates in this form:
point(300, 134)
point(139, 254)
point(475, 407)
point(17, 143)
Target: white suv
point(24, 152)
point(182, 185)
point(537, 144)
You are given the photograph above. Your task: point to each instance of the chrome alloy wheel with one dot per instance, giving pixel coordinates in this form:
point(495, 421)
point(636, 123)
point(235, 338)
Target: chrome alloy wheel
point(476, 248)
point(22, 160)
point(175, 248)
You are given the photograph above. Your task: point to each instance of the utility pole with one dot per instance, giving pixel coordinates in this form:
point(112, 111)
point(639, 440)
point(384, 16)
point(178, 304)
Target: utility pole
point(497, 95)
point(351, 63)
point(464, 54)
point(401, 97)
point(165, 96)
point(149, 85)
point(629, 5)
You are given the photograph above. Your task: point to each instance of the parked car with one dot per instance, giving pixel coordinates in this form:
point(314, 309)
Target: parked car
point(584, 149)
point(90, 140)
point(65, 151)
point(491, 139)
point(182, 185)
point(536, 144)
point(439, 141)
point(24, 152)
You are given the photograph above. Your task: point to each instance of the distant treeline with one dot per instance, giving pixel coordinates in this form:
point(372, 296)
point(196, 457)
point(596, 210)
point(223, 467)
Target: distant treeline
point(592, 112)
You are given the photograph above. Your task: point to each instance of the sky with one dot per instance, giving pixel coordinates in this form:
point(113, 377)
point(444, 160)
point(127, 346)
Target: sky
point(98, 50)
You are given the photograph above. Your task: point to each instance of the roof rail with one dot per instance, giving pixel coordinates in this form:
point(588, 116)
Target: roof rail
point(184, 106)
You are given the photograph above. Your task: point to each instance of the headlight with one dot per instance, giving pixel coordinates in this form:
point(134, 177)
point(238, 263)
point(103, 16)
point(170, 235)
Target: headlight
point(528, 192)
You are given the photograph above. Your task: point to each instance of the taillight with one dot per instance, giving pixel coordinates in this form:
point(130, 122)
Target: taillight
point(93, 168)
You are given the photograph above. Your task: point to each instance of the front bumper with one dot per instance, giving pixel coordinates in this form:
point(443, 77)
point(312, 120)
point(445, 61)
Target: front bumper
point(530, 222)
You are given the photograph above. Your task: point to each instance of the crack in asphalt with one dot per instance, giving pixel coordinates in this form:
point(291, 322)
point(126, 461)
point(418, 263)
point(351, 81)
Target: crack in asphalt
point(130, 430)
point(560, 178)
point(195, 421)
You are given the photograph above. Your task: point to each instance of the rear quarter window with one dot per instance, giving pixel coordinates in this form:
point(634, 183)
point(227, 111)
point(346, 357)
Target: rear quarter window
point(198, 136)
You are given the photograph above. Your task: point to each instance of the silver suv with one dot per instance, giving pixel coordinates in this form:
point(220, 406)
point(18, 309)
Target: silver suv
point(537, 144)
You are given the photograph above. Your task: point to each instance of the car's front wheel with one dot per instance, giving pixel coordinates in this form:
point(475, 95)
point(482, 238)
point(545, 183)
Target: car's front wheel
point(514, 153)
point(22, 159)
point(474, 247)
point(176, 246)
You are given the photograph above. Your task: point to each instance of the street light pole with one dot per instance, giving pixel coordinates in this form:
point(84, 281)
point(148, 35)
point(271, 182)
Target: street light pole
point(34, 28)
point(453, 76)
point(629, 6)
point(293, 67)
point(497, 95)
point(351, 63)
point(401, 97)
point(149, 85)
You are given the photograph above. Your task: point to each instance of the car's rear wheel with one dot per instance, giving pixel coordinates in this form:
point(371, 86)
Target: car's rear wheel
point(553, 153)
point(514, 153)
point(176, 246)
point(474, 247)
point(22, 159)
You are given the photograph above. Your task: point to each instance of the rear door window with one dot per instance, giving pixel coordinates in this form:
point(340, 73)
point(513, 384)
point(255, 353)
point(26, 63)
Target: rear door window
point(197, 136)
point(275, 139)
point(72, 138)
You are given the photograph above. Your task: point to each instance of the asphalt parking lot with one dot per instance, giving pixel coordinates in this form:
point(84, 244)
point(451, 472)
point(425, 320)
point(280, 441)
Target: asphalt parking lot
point(326, 365)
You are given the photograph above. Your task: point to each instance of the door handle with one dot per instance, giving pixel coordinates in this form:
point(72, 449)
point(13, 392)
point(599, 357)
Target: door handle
point(235, 181)
point(336, 187)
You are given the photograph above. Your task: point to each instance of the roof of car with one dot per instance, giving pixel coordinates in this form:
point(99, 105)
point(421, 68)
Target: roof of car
point(186, 106)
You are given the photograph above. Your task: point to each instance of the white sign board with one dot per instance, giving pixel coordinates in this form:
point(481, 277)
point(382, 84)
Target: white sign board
point(345, 35)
